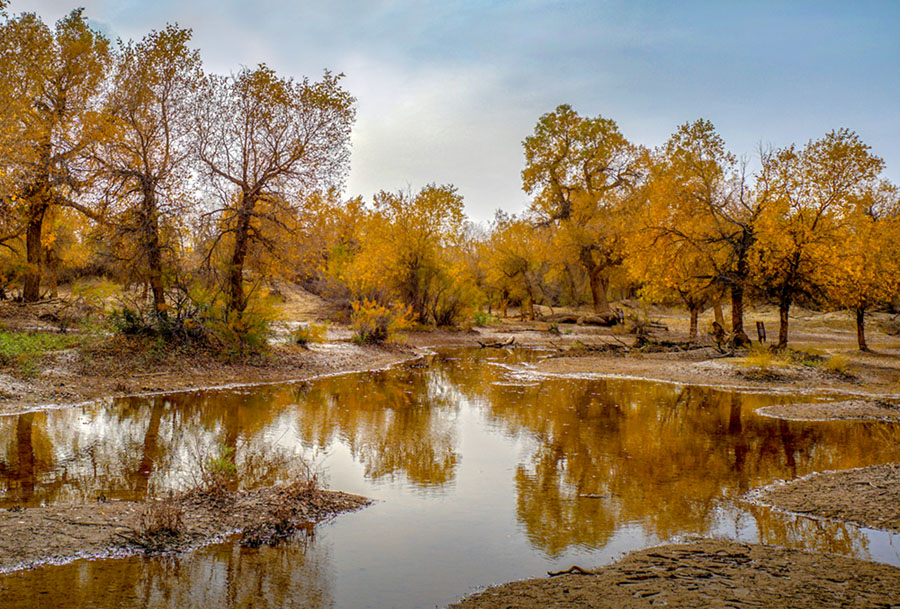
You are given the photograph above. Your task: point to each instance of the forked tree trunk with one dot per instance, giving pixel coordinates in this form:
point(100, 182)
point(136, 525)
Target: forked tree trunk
point(861, 329)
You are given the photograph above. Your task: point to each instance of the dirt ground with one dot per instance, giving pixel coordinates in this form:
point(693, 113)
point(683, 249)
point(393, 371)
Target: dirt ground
point(61, 533)
point(708, 573)
point(846, 410)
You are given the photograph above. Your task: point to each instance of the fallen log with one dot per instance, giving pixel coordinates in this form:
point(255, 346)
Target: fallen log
point(604, 319)
point(561, 318)
point(499, 344)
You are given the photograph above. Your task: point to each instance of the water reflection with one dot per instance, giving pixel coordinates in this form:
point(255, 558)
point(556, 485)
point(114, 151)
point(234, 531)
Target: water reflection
point(559, 469)
point(293, 575)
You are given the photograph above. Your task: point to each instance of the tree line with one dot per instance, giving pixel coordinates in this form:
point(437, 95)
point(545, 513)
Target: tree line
point(127, 159)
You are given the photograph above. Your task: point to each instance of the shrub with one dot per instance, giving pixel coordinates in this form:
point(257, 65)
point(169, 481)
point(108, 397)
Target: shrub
point(375, 323)
point(218, 472)
point(161, 518)
point(483, 318)
point(309, 333)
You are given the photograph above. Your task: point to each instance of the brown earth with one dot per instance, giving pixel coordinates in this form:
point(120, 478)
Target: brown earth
point(708, 573)
point(61, 533)
point(846, 410)
point(869, 496)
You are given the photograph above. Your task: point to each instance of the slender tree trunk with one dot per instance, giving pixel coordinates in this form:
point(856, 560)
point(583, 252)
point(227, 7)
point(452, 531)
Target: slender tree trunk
point(31, 291)
point(52, 262)
point(784, 308)
point(861, 329)
point(695, 314)
point(718, 315)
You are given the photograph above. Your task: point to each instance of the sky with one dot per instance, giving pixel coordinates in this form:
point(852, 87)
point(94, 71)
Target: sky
point(447, 90)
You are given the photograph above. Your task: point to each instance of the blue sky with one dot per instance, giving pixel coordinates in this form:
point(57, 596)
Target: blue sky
point(447, 90)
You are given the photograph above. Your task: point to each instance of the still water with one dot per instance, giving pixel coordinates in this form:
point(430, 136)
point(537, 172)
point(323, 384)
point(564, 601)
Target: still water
point(481, 471)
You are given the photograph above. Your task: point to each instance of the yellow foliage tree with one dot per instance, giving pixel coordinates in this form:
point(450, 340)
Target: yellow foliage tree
point(866, 266)
point(813, 193)
point(580, 171)
point(55, 78)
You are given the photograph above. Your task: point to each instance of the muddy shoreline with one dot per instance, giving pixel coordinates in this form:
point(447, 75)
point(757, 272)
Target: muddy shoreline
point(867, 496)
point(708, 573)
point(58, 534)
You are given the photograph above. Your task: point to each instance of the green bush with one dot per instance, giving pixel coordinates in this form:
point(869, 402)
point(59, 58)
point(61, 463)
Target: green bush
point(483, 318)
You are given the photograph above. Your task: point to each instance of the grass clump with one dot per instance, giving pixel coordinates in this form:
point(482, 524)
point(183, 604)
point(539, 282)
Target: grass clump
point(218, 473)
point(309, 333)
point(761, 358)
point(837, 364)
point(161, 518)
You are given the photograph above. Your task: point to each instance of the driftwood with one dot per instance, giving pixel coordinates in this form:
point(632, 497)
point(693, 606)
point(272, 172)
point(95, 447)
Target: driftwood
point(562, 318)
point(573, 569)
point(499, 344)
point(606, 319)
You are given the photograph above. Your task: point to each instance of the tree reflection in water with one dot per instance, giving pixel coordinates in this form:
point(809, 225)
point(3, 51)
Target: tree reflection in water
point(605, 453)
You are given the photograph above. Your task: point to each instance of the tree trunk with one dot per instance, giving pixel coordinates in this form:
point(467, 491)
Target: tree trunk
point(52, 262)
point(599, 285)
point(861, 329)
point(31, 291)
point(236, 269)
point(739, 337)
point(695, 314)
point(150, 226)
point(598, 282)
point(784, 307)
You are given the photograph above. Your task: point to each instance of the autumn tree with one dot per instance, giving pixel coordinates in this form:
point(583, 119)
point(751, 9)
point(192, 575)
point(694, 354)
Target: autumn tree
point(865, 268)
point(143, 152)
point(579, 171)
point(411, 252)
point(813, 192)
point(700, 204)
point(264, 141)
point(666, 262)
point(516, 261)
point(55, 76)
